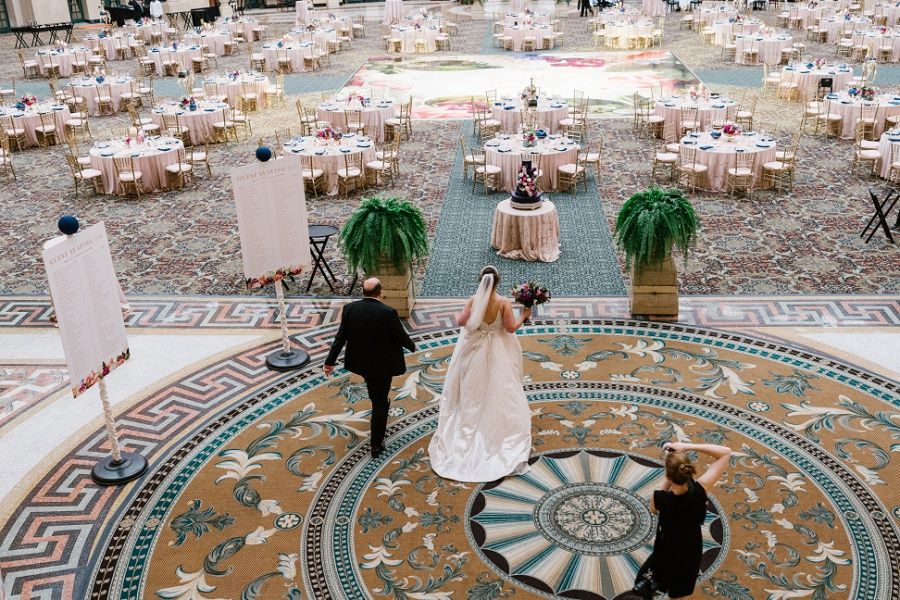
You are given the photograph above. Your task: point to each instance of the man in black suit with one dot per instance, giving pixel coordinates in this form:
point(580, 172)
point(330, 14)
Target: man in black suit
point(375, 340)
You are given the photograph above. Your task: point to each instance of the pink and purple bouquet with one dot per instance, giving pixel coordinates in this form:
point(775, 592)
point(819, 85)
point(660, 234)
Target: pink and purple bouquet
point(530, 293)
point(730, 129)
point(186, 101)
point(328, 134)
point(28, 100)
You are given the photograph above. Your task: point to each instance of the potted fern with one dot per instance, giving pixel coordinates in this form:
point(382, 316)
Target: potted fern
point(649, 225)
point(384, 237)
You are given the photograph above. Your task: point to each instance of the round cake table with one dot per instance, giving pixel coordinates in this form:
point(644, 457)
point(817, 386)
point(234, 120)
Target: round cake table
point(531, 235)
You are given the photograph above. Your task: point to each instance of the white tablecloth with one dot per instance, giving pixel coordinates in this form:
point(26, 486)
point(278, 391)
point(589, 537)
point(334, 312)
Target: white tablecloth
point(182, 55)
point(884, 145)
point(531, 235)
point(234, 88)
point(63, 59)
point(653, 8)
point(622, 31)
point(215, 40)
point(109, 43)
point(836, 25)
point(150, 161)
point(875, 41)
point(720, 157)
point(538, 32)
point(87, 88)
point(302, 11)
point(511, 160)
point(808, 79)
point(409, 35)
point(517, 6)
point(725, 30)
point(296, 51)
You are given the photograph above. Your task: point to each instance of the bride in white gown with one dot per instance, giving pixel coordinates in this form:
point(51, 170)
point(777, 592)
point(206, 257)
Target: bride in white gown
point(484, 425)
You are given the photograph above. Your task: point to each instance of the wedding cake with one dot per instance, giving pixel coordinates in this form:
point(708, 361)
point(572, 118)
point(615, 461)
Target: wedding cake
point(526, 195)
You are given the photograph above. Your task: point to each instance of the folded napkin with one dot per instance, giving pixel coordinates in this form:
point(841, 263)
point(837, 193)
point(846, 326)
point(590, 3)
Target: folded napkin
point(706, 146)
point(763, 145)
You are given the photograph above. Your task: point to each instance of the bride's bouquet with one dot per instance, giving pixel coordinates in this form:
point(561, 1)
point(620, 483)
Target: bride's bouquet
point(530, 293)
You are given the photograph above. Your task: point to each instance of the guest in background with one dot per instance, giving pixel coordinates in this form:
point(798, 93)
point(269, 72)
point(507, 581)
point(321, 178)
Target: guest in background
point(586, 7)
point(681, 505)
point(137, 10)
point(156, 9)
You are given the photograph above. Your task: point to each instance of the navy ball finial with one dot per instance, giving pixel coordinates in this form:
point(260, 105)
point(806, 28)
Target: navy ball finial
point(68, 224)
point(263, 153)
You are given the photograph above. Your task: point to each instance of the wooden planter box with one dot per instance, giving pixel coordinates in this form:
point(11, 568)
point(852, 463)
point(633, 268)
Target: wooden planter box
point(654, 292)
point(397, 287)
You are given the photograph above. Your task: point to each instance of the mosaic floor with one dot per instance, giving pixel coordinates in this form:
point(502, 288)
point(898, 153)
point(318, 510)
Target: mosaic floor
point(608, 79)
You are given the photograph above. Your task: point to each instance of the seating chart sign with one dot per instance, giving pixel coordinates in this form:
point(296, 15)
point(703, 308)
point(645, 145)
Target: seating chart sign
point(85, 293)
point(271, 212)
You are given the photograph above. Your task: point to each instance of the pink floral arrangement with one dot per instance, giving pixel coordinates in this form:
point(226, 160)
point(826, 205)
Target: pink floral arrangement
point(865, 92)
point(526, 183)
point(821, 62)
point(104, 370)
point(731, 129)
point(28, 100)
point(530, 293)
point(186, 101)
point(328, 134)
point(311, 27)
point(234, 75)
point(262, 280)
point(529, 139)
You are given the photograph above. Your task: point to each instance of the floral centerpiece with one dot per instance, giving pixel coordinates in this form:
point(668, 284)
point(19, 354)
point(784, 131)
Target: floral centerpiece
point(28, 99)
point(529, 94)
point(529, 139)
point(730, 130)
point(327, 134)
point(526, 195)
point(864, 92)
point(820, 62)
point(234, 75)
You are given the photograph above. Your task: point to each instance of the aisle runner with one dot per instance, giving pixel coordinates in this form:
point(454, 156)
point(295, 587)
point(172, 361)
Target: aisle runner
point(587, 265)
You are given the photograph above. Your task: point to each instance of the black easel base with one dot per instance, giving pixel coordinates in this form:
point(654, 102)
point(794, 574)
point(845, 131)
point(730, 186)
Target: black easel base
point(281, 361)
point(109, 472)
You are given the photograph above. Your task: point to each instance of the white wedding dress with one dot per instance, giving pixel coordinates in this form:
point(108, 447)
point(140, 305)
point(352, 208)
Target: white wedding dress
point(484, 425)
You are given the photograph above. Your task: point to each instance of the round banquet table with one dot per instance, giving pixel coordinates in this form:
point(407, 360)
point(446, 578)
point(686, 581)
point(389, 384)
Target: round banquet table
point(718, 156)
point(409, 35)
point(549, 114)
point(536, 18)
point(214, 40)
point(621, 31)
point(507, 151)
point(531, 235)
point(301, 9)
point(875, 41)
point(808, 79)
point(836, 25)
point(30, 118)
point(373, 116)
point(330, 156)
point(181, 55)
point(891, 12)
point(199, 122)
point(653, 8)
point(520, 32)
point(151, 161)
point(147, 30)
point(850, 110)
point(62, 59)
point(708, 110)
point(724, 29)
point(86, 87)
point(243, 25)
point(393, 11)
point(295, 50)
point(708, 16)
point(233, 89)
point(884, 146)
point(769, 47)
point(517, 6)
point(109, 43)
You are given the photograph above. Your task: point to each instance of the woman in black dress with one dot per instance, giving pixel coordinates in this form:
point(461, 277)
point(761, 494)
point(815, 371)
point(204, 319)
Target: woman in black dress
point(681, 506)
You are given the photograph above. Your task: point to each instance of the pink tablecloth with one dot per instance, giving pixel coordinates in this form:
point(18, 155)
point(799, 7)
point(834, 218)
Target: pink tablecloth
point(653, 8)
point(182, 56)
point(373, 117)
point(721, 157)
point(109, 44)
point(725, 30)
point(301, 10)
point(622, 31)
point(511, 161)
point(87, 89)
point(233, 89)
point(63, 60)
point(517, 6)
point(393, 11)
point(851, 110)
point(836, 25)
point(548, 117)
point(884, 146)
point(151, 162)
point(409, 35)
point(214, 40)
point(531, 235)
point(876, 41)
point(708, 16)
point(199, 122)
point(769, 48)
point(296, 51)
point(332, 160)
point(30, 118)
point(808, 80)
point(707, 112)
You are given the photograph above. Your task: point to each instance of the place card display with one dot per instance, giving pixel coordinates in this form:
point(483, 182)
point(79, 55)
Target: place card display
point(272, 222)
point(86, 297)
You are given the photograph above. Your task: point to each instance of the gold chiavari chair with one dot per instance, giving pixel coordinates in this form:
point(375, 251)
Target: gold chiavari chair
point(350, 177)
point(105, 104)
point(390, 152)
point(275, 92)
point(83, 161)
point(47, 134)
point(6, 163)
point(128, 177)
point(313, 178)
point(570, 174)
point(199, 159)
point(865, 152)
point(353, 121)
point(248, 100)
point(14, 133)
point(471, 158)
point(690, 172)
point(30, 68)
point(226, 128)
point(78, 125)
point(741, 176)
point(82, 174)
point(8, 92)
point(181, 172)
point(173, 128)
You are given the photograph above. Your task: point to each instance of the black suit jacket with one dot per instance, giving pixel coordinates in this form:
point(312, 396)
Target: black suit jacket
point(375, 339)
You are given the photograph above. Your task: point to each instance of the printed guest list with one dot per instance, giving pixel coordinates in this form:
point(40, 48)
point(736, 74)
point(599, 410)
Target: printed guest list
point(272, 221)
point(86, 298)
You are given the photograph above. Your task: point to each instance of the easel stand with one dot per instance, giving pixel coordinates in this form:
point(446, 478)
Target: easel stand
point(120, 467)
point(288, 358)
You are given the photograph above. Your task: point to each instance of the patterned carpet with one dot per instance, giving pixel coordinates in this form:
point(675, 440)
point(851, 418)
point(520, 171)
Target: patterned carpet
point(278, 496)
point(587, 265)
